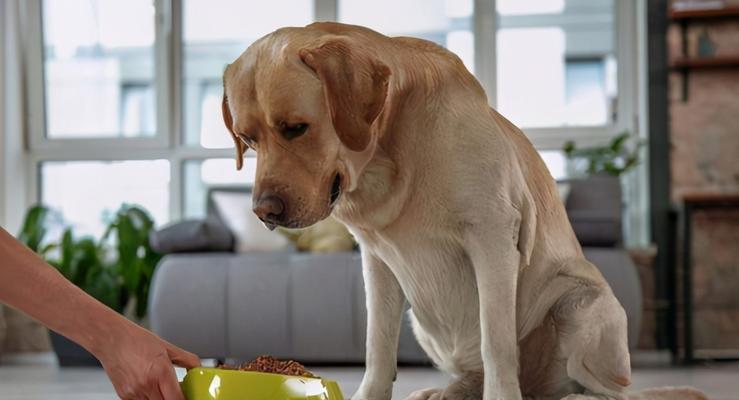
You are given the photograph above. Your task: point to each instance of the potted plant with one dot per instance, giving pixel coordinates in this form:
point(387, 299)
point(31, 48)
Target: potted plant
point(604, 167)
point(615, 158)
point(116, 270)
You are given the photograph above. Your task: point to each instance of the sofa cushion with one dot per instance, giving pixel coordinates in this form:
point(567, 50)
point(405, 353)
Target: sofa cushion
point(304, 306)
point(192, 236)
point(326, 236)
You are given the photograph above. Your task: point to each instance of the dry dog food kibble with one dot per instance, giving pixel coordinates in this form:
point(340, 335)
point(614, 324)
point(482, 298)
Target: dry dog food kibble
point(272, 365)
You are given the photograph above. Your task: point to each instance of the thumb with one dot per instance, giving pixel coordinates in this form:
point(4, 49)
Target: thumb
point(182, 358)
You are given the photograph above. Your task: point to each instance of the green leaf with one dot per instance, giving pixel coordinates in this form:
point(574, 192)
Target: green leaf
point(618, 142)
point(129, 233)
point(66, 259)
point(613, 158)
point(34, 228)
point(114, 280)
point(101, 284)
point(48, 249)
point(568, 147)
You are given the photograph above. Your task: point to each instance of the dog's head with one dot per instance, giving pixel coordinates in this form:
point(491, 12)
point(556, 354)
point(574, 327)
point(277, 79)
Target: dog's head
point(306, 104)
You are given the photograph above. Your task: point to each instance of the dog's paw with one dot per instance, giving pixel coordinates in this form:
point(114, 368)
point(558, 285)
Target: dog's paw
point(426, 394)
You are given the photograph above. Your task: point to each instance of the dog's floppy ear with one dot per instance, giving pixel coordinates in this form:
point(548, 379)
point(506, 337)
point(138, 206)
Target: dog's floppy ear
point(355, 86)
point(228, 120)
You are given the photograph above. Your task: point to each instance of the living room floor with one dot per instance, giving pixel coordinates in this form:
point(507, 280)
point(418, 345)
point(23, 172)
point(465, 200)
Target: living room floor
point(44, 381)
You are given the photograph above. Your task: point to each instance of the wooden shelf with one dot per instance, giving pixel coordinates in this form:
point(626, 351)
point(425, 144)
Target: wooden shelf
point(686, 63)
point(725, 12)
point(709, 198)
point(708, 62)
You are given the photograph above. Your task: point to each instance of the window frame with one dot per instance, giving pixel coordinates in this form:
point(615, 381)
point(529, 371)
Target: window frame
point(553, 138)
point(169, 142)
point(37, 127)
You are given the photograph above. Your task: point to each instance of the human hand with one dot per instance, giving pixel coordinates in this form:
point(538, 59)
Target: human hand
point(139, 364)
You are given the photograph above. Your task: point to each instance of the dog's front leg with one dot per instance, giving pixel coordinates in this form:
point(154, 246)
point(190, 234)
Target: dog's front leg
point(492, 248)
point(384, 314)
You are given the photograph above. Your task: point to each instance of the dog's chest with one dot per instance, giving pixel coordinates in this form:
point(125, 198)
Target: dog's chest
point(436, 276)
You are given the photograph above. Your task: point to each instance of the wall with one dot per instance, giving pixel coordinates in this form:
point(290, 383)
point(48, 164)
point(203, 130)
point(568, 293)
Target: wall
point(704, 138)
point(13, 155)
point(704, 130)
point(18, 333)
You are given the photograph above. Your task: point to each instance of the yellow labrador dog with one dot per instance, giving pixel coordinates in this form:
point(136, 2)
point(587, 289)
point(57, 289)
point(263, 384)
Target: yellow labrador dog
point(453, 208)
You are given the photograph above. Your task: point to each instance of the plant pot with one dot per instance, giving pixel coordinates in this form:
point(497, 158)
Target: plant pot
point(70, 354)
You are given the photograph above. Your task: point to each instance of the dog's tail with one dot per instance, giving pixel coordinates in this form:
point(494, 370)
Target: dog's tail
point(668, 393)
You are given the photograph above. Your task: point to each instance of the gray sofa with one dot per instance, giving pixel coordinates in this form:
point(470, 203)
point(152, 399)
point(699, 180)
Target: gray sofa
point(310, 307)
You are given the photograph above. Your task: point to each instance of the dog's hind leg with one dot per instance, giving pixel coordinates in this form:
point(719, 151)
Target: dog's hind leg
point(426, 394)
point(467, 387)
point(666, 393)
point(592, 331)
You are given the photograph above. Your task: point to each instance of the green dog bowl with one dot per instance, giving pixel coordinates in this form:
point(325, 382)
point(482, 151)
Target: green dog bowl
point(222, 384)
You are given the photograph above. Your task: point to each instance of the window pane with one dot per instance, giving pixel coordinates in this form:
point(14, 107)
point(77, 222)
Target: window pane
point(201, 175)
point(215, 33)
point(556, 62)
point(89, 192)
point(518, 7)
point(446, 22)
point(556, 163)
point(99, 68)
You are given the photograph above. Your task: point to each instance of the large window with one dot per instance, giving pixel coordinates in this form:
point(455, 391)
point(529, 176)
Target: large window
point(87, 192)
point(126, 98)
point(446, 22)
point(214, 33)
point(99, 68)
point(556, 62)
point(204, 175)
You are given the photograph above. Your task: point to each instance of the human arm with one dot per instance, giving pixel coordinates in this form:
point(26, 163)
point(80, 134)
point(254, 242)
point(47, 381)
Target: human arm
point(138, 363)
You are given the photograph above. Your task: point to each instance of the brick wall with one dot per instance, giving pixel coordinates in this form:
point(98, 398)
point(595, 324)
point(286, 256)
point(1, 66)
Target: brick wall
point(704, 135)
point(715, 280)
point(704, 130)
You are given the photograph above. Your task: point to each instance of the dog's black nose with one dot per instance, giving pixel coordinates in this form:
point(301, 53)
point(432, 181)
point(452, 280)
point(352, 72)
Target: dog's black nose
point(270, 208)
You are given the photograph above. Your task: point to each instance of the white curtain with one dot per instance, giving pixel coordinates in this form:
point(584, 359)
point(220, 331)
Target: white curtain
point(13, 157)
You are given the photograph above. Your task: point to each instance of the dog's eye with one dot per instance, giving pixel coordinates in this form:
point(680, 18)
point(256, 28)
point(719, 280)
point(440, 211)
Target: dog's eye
point(291, 131)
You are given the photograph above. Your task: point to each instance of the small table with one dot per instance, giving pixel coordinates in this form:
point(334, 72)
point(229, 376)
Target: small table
point(693, 202)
